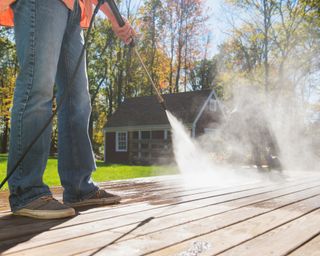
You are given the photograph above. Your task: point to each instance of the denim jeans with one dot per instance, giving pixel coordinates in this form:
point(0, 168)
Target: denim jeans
point(49, 41)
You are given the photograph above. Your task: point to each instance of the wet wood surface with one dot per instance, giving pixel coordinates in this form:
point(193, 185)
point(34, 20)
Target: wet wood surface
point(164, 216)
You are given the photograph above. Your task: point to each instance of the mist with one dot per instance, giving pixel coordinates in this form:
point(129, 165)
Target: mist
point(263, 137)
point(254, 118)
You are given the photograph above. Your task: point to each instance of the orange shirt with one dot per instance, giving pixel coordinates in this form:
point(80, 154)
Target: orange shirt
point(6, 13)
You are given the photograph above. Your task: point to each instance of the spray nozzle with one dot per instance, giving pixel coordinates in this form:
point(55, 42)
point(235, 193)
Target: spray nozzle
point(163, 105)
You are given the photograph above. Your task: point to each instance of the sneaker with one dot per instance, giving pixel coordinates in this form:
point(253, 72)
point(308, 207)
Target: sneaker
point(100, 197)
point(46, 207)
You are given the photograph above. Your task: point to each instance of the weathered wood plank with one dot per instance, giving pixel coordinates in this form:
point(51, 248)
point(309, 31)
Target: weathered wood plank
point(284, 239)
point(131, 190)
point(146, 184)
point(158, 224)
point(197, 201)
point(311, 248)
point(178, 215)
point(75, 246)
point(227, 211)
point(144, 194)
point(118, 185)
point(6, 219)
point(238, 231)
point(233, 235)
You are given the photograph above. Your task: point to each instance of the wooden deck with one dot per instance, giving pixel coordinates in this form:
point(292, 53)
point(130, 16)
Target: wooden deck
point(160, 216)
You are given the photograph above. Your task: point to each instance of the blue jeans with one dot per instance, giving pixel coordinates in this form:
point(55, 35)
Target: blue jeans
point(49, 41)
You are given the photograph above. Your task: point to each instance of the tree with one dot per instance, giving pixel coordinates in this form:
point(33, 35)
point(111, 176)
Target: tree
point(273, 39)
point(203, 75)
point(180, 39)
point(8, 72)
point(151, 24)
point(262, 23)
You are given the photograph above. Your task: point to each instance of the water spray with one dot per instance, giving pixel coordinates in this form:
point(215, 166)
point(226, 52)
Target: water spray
point(121, 22)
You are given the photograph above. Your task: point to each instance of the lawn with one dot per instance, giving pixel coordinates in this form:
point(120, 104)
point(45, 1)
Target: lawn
point(104, 171)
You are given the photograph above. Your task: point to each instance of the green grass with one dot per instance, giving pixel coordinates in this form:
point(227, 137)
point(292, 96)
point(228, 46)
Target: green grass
point(104, 171)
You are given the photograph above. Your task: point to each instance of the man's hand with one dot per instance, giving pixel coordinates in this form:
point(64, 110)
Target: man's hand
point(125, 33)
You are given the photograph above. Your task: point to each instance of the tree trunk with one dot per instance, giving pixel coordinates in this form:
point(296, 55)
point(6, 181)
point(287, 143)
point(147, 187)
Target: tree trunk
point(119, 79)
point(178, 76)
point(266, 22)
point(180, 46)
point(172, 38)
point(153, 47)
point(171, 67)
point(5, 137)
point(110, 102)
point(53, 145)
point(91, 128)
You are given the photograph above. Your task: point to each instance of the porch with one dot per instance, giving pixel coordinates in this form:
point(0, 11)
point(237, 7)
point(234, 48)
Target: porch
point(162, 216)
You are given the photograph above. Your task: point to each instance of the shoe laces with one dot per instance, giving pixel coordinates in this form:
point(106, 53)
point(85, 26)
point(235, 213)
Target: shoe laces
point(47, 198)
point(98, 193)
point(102, 193)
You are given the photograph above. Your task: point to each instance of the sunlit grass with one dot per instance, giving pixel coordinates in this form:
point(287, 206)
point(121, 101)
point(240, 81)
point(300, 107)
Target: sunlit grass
point(104, 171)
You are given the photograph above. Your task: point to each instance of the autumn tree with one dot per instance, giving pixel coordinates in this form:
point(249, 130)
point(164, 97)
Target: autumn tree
point(180, 39)
point(8, 72)
point(150, 26)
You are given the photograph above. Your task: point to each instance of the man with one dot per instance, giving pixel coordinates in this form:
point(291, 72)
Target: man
point(49, 40)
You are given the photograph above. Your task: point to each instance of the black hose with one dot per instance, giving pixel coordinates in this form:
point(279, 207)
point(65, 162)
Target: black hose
point(115, 10)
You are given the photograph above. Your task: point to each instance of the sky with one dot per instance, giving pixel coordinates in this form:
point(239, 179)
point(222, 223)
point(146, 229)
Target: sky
point(217, 23)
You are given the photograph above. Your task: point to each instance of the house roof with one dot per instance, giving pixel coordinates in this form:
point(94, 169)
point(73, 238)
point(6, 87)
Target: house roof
point(146, 111)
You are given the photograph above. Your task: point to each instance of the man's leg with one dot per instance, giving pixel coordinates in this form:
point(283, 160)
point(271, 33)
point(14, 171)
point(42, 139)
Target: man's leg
point(39, 30)
point(76, 159)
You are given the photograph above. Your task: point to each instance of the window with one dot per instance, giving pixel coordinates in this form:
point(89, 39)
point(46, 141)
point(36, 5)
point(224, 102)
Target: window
point(145, 135)
point(213, 105)
point(167, 135)
point(121, 141)
point(209, 130)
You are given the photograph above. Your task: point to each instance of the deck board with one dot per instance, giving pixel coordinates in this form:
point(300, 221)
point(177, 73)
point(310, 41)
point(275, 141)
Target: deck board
point(231, 233)
point(124, 215)
point(161, 216)
point(311, 248)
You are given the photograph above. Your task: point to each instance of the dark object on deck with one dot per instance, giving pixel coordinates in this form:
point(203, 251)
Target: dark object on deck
point(251, 125)
point(264, 146)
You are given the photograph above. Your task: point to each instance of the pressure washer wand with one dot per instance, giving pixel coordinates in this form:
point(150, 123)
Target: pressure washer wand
point(117, 15)
point(160, 98)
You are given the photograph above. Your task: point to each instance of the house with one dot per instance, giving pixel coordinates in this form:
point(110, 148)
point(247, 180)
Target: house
point(139, 131)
